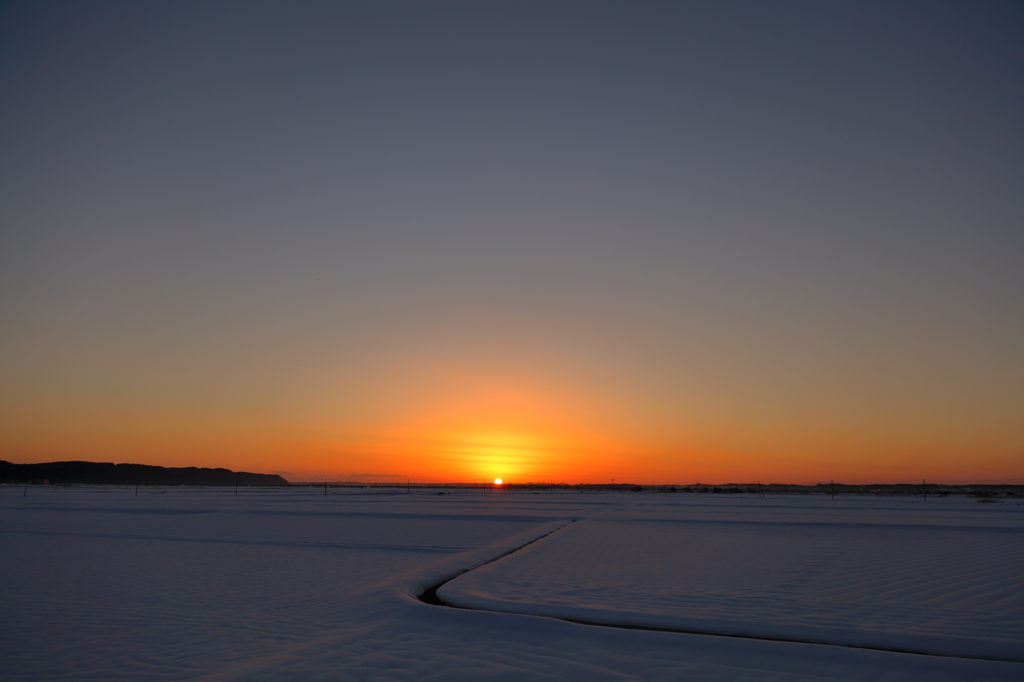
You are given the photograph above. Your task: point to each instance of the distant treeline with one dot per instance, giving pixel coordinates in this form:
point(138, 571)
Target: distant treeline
point(826, 488)
point(700, 488)
point(108, 473)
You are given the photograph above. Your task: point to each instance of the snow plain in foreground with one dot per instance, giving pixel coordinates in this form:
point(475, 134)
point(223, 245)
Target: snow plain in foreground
point(291, 584)
point(945, 579)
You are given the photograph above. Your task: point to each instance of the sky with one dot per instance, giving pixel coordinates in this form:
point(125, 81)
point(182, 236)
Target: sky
point(454, 241)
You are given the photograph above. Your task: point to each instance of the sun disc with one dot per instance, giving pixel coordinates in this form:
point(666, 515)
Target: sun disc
point(497, 481)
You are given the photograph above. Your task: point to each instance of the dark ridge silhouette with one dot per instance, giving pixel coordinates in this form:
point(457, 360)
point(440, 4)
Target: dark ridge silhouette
point(108, 473)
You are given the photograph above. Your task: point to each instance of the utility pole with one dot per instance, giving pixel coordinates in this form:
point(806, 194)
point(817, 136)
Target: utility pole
point(833, 490)
point(924, 489)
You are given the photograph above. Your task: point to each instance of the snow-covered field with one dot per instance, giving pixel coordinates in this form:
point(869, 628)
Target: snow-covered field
point(290, 584)
point(945, 578)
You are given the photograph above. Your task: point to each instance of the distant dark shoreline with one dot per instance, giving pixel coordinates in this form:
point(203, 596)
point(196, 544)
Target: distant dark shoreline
point(937, 489)
point(930, 489)
point(108, 473)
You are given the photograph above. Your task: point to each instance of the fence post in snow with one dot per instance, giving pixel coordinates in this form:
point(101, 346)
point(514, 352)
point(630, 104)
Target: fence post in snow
point(25, 494)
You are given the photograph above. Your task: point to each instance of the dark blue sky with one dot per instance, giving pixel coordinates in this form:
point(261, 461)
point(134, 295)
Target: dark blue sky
point(719, 229)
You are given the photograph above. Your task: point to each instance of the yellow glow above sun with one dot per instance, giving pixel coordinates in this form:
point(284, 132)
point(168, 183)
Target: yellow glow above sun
point(483, 452)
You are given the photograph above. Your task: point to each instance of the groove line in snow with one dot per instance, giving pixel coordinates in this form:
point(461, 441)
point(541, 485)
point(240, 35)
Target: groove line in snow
point(430, 597)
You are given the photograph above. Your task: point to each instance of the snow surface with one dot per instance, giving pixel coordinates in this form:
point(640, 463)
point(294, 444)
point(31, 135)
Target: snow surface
point(290, 584)
point(945, 577)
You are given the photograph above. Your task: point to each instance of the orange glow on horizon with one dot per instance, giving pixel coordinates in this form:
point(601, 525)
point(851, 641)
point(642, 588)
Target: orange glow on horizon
point(474, 427)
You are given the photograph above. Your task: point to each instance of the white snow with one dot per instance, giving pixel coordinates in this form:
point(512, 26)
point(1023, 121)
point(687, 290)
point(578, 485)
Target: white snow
point(290, 584)
point(945, 577)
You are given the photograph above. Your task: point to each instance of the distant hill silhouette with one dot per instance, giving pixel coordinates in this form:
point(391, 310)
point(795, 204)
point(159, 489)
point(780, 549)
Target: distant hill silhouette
point(108, 473)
